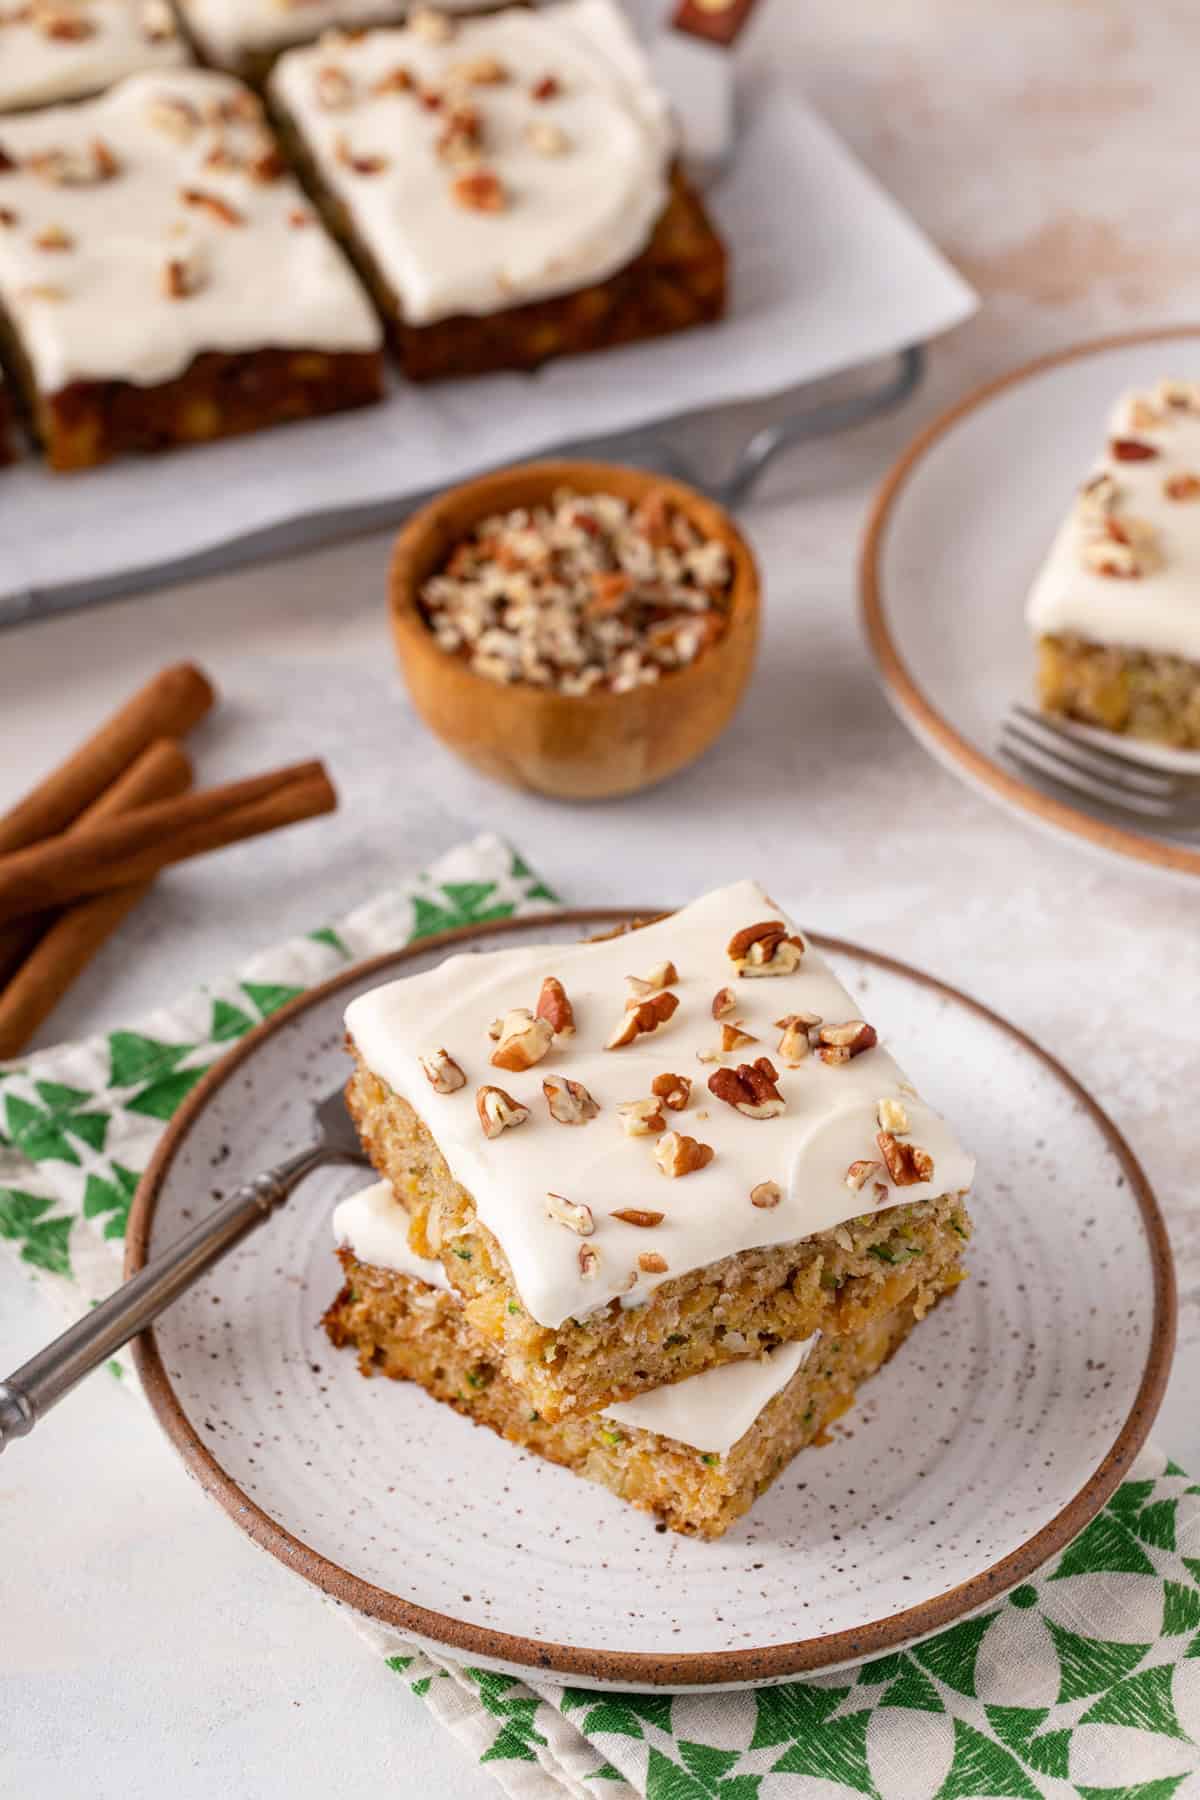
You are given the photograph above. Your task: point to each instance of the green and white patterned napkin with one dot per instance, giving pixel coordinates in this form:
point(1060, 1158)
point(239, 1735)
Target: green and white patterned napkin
point(1085, 1682)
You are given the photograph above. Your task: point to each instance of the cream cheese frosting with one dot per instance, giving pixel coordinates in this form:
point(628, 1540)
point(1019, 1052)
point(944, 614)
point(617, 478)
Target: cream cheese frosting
point(829, 1121)
point(709, 1412)
point(185, 177)
point(62, 49)
point(1149, 599)
point(584, 171)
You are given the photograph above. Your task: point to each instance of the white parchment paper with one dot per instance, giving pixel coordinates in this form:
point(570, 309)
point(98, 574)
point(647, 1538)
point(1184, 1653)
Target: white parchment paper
point(827, 273)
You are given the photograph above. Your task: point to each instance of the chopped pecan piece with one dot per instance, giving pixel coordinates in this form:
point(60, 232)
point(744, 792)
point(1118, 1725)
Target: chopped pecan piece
point(678, 1155)
point(524, 1040)
point(644, 1016)
point(498, 1111)
point(672, 1090)
point(172, 114)
point(589, 1260)
point(766, 1195)
point(213, 204)
point(442, 1072)
point(734, 1037)
point(569, 1101)
point(547, 138)
point(396, 81)
point(547, 88)
point(54, 238)
point(572, 1213)
point(892, 1117)
point(724, 1002)
point(333, 90)
point(1128, 449)
point(860, 1172)
point(662, 975)
point(461, 135)
point(765, 949)
point(634, 1215)
point(63, 26)
point(651, 1263)
point(837, 1044)
point(750, 1089)
point(795, 1043)
point(8, 217)
point(1099, 496)
point(1185, 486)
point(479, 71)
point(641, 1118)
point(358, 162)
point(907, 1164)
point(555, 1008)
point(480, 190)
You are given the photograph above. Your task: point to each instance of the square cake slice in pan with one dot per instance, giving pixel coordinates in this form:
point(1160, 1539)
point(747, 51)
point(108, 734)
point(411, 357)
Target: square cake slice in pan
point(163, 280)
point(52, 50)
point(639, 1158)
point(1115, 609)
point(507, 185)
point(697, 1454)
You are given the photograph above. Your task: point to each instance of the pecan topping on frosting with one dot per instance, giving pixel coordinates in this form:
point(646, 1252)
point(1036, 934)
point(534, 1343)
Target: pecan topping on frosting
point(651, 1263)
point(442, 1072)
point(859, 1173)
point(643, 1016)
point(481, 190)
point(672, 1090)
point(634, 1215)
point(569, 1101)
point(735, 1037)
point(662, 975)
point(555, 1008)
point(724, 1002)
point(797, 1034)
point(498, 1111)
point(750, 1089)
point(523, 1040)
point(641, 1118)
point(837, 1044)
point(765, 949)
point(1129, 449)
point(678, 1155)
point(907, 1164)
point(892, 1117)
point(766, 1195)
point(572, 1213)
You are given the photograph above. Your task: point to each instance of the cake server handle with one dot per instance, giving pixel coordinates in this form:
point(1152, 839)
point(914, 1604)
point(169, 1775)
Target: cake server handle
point(39, 1384)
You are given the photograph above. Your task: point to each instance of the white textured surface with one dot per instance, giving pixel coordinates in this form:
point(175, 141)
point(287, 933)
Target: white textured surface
point(973, 1438)
point(571, 218)
point(97, 308)
point(228, 30)
point(36, 68)
point(829, 1119)
point(1088, 226)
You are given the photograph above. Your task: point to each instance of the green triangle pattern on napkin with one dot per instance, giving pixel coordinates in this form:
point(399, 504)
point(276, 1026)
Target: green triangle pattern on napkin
point(1083, 1684)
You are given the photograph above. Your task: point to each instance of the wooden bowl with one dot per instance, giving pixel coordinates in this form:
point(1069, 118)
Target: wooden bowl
point(582, 747)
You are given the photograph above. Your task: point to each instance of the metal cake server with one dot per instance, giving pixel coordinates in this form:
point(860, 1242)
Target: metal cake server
point(692, 57)
point(39, 1384)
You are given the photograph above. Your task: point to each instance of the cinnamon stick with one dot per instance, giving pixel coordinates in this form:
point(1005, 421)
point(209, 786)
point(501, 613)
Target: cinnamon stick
point(166, 707)
point(72, 939)
point(132, 847)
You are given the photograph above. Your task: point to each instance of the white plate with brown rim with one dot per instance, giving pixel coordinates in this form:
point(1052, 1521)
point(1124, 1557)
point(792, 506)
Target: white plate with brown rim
point(957, 534)
point(987, 1443)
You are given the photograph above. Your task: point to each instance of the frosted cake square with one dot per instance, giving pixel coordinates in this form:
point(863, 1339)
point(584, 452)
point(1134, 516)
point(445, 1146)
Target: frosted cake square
point(697, 1453)
point(507, 185)
point(163, 279)
point(1115, 608)
point(52, 50)
point(640, 1158)
point(244, 37)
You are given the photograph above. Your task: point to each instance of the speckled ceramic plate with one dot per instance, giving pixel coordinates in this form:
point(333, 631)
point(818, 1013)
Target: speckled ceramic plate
point(984, 1446)
point(957, 535)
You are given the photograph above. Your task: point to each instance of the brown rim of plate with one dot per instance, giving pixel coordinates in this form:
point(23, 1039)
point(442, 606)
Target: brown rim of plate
point(807, 1655)
point(910, 699)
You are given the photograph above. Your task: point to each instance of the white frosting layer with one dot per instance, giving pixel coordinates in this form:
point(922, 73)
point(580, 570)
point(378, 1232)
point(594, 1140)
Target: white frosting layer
point(572, 218)
point(709, 1412)
point(712, 1411)
point(1160, 610)
point(228, 30)
point(375, 1226)
point(97, 309)
point(829, 1121)
point(37, 67)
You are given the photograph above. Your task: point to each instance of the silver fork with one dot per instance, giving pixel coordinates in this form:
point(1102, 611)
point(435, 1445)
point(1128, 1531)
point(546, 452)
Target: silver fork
point(39, 1384)
point(1073, 768)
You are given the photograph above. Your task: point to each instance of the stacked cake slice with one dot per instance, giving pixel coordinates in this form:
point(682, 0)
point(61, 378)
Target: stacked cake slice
point(652, 1206)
